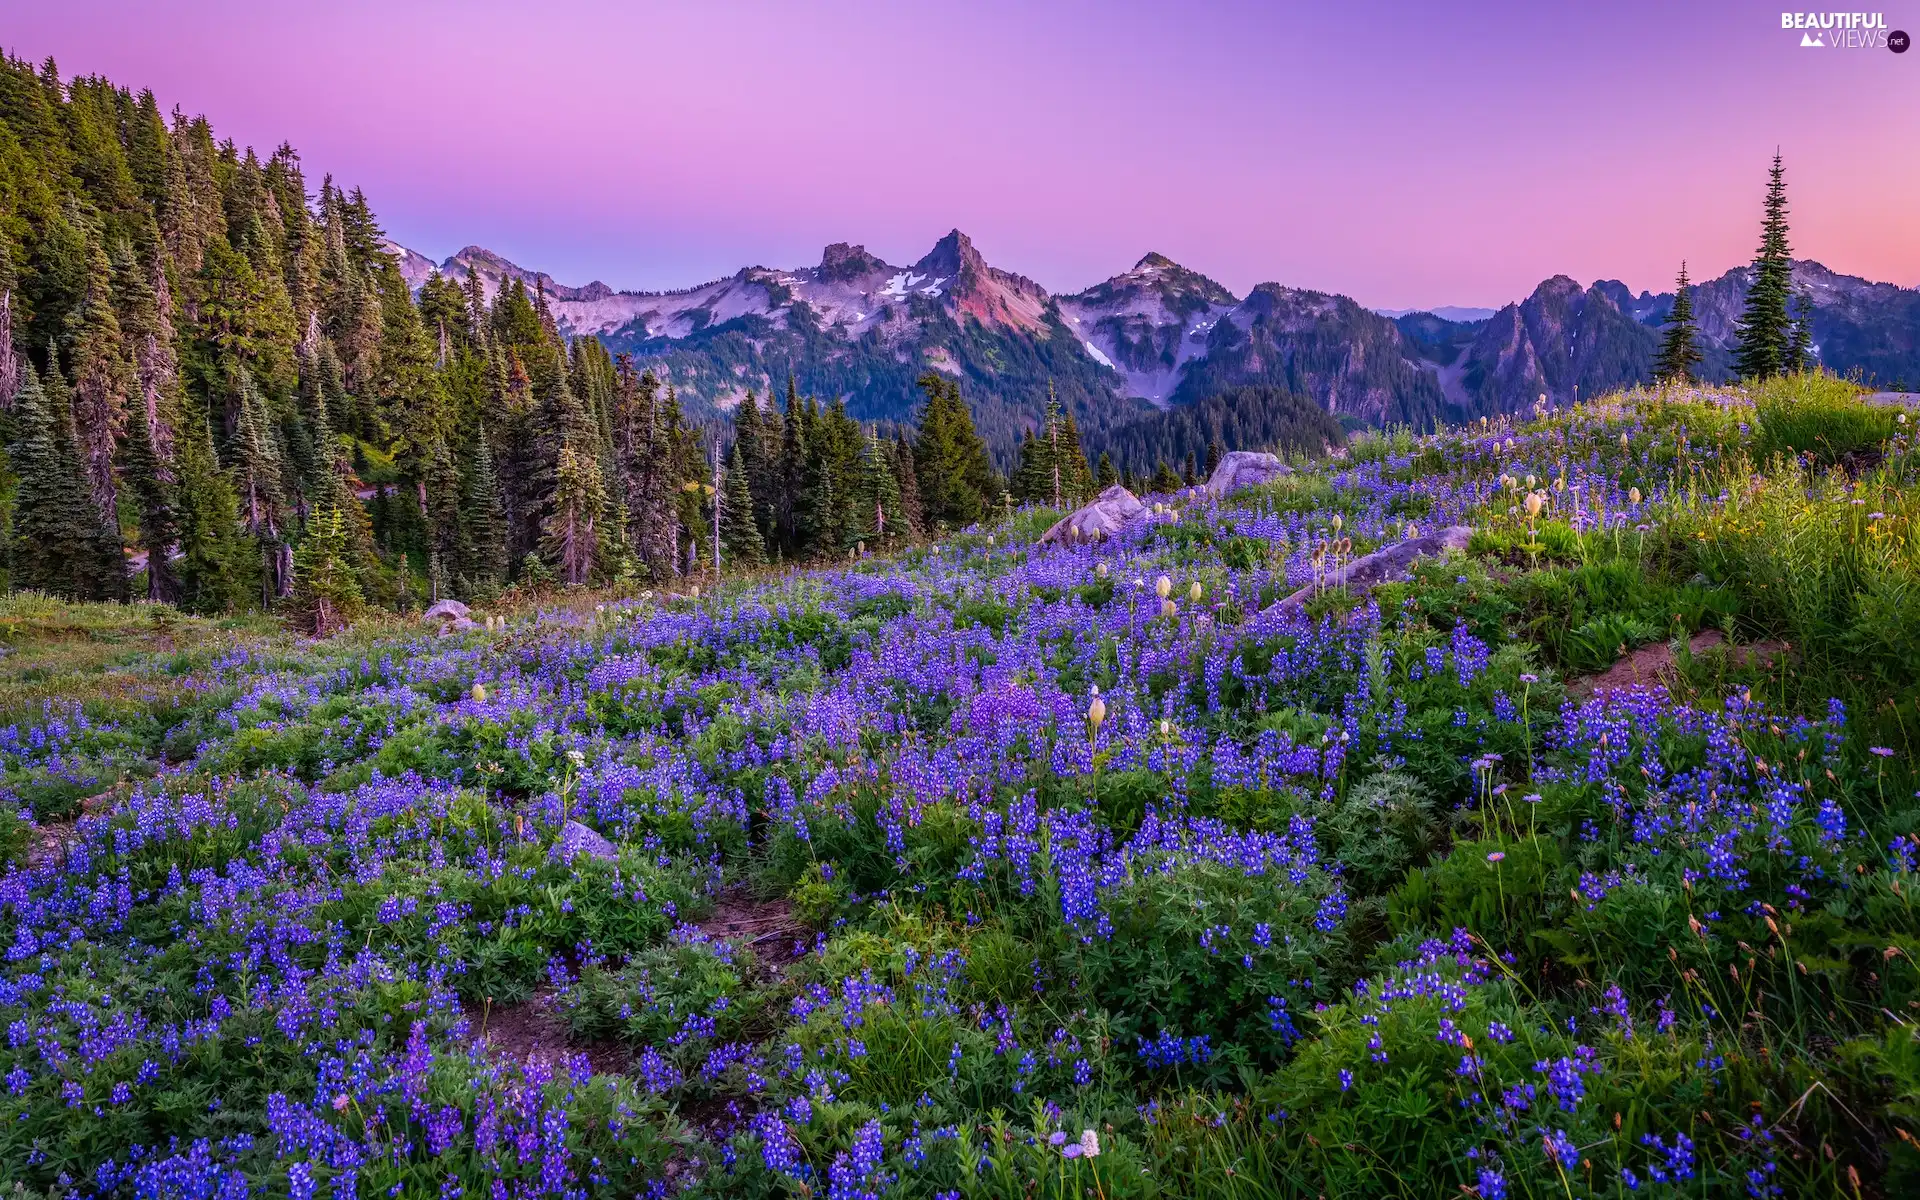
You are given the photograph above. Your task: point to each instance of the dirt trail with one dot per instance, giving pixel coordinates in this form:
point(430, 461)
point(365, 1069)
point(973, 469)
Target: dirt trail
point(1654, 664)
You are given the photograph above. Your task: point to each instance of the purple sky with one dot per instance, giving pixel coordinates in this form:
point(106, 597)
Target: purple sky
point(1405, 154)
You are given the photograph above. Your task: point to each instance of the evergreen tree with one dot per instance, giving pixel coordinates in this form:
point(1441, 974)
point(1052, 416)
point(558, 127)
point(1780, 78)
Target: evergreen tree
point(751, 435)
point(879, 491)
point(151, 483)
point(739, 533)
point(1164, 481)
point(912, 515)
point(100, 557)
point(144, 310)
point(212, 562)
point(485, 566)
point(326, 588)
point(1764, 325)
point(1191, 475)
point(956, 481)
point(577, 494)
point(1213, 456)
point(1679, 351)
point(1076, 475)
point(259, 478)
point(1106, 477)
point(101, 381)
point(55, 527)
point(449, 547)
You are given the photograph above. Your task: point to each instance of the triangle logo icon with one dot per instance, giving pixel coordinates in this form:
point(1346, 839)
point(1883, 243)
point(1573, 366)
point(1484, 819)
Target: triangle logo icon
point(1810, 39)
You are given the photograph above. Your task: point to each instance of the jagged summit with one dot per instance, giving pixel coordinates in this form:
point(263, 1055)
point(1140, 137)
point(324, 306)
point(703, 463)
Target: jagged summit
point(842, 261)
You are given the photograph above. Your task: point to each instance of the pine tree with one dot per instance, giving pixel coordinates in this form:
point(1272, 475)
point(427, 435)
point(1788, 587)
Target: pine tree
point(326, 588)
point(485, 567)
point(260, 478)
point(101, 381)
point(1679, 351)
point(1213, 456)
point(1076, 475)
point(99, 558)
point(912, 516)
point(1106, 477)
point(956, 480)
point(1164, 481)
point(54, 524)
point(739, 532)
point(577, 495)
point(817, 503)
point(448, 544)
point(1764, 325)
point(879, 494)
point(212, 562)
point(151, 483)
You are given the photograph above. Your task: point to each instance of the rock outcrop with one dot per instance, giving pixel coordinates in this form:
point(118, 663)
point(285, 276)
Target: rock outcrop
point(1244, 469)
point(576, 839)
point(1108, 513)
point(1383, 565)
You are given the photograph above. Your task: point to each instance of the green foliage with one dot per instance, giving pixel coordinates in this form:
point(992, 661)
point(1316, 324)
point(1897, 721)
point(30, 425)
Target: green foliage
point(1819, 416)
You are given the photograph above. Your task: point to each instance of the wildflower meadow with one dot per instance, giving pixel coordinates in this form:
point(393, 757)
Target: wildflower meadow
point(996, 868)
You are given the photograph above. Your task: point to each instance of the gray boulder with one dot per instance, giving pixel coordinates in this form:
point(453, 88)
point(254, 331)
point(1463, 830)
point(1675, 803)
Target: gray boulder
point(458, 625)
point(1244, 469)
point(1108, 513)
point(576, 839)
point(1383, 565)
point(447, 610)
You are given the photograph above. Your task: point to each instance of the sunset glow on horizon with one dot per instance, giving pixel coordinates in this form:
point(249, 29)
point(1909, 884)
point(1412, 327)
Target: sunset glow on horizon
point(1403, 154)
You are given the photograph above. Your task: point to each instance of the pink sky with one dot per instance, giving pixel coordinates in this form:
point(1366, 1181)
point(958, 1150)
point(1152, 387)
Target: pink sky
point(1405, 154)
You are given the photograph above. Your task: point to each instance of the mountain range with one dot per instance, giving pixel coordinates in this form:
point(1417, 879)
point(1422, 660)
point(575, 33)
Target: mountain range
point(1162, 336)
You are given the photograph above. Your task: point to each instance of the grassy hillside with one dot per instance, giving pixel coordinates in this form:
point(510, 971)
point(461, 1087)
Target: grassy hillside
point(994, 869)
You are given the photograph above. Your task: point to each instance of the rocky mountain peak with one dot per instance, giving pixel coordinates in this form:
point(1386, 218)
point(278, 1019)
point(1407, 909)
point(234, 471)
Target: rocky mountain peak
point(842, 261)
point(953, 257)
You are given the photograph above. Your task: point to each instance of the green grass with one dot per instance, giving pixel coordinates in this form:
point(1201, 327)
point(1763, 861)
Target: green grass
point(1818, 415)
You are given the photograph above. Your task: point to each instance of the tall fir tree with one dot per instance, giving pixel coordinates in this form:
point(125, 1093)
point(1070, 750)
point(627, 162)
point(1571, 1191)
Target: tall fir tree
point(912, 515)
point(326, 589)
point(956, 480)
point(739, 533)
point(259, 476)
point(212, 565)
point(576, 495)
point(879, 495)
point(1764, 324)
point(101, 381)
point(55, 526)
point(485, 567)
point(1679, 346)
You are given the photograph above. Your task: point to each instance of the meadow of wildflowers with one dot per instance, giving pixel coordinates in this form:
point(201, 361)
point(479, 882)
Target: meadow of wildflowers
point(993, 869)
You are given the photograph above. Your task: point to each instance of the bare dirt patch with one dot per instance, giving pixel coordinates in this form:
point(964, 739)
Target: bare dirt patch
point(1654, 665)
point(534, 1030)
point(766, 927)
